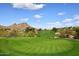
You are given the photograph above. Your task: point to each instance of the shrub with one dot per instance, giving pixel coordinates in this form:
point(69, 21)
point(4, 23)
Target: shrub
point(67, 33)
point(30, 32)
point(54, 29)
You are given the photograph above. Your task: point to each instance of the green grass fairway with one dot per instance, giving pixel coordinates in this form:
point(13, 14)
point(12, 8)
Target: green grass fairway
point(44, 45)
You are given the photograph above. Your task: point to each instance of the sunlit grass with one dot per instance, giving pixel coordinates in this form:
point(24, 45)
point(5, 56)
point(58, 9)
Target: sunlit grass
point(41, 45)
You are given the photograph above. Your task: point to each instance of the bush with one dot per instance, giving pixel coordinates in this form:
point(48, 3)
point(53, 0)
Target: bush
point(67, 33)
point(30, 32)
point(54, 29)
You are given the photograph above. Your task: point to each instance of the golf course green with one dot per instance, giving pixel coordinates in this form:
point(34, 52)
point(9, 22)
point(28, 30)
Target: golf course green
point(43, 45)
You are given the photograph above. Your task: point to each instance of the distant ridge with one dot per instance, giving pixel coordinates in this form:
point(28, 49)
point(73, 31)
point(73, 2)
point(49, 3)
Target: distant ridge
point(19, 26)
point(2, 26)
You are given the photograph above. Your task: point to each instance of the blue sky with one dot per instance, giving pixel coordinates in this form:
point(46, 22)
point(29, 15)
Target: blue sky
point(44, 15)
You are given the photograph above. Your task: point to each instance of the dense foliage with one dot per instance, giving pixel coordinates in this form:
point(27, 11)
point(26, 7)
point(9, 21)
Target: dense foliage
point(68, 32)
point(31, 32)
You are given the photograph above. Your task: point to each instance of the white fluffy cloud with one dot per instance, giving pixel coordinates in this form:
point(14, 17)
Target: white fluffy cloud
point(77, 22)
point(76, 17)
point(55, 24)
point(69, 24)
point(50, 23)
point(58, 24)
point(24, 19)
point(30, 6)
point(60, 13)
point(37, 16)
point(67, 20)
point(65, 23)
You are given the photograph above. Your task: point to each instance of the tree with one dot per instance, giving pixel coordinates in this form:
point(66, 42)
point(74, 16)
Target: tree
point(77, 31)
point(54, 29)
point(30, 32)
point(40, 29)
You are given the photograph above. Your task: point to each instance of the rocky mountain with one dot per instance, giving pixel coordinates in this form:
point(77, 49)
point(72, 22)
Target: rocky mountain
point(2, 26)
point(19, 26)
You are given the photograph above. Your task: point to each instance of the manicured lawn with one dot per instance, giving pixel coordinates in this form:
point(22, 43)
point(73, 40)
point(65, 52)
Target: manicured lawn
point(44, 45)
